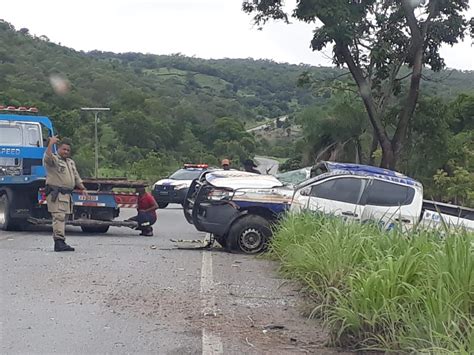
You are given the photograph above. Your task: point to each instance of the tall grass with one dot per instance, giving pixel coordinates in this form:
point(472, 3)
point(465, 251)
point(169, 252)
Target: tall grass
point(383, 290)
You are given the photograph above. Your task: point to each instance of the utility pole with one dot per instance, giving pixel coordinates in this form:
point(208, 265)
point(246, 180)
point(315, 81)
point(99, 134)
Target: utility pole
point(96, 111)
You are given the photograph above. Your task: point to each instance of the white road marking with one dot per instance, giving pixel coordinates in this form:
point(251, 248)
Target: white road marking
point(211, 344)
point(6, 235)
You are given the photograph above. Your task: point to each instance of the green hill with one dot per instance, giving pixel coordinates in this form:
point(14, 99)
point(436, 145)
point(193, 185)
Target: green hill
point(165, 110)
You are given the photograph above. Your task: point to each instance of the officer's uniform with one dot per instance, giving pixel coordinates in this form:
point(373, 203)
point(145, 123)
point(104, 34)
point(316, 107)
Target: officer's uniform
point(62, 174)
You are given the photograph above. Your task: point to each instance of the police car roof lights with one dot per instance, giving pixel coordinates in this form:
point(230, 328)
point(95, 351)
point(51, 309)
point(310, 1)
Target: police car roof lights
point(200, 166)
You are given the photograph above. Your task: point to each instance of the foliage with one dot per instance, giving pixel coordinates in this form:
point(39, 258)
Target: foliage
point(380, 290)
point(153, 166)
point(378, 41)
point(334, 131)
point(458, 188)
point(192, 109)
point(189, 110)
point(447, 173)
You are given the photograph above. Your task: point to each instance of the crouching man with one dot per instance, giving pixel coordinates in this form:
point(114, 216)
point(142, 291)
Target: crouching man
point(146, 216)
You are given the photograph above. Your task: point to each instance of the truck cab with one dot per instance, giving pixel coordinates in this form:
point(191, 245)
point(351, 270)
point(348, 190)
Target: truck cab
point(22, 144)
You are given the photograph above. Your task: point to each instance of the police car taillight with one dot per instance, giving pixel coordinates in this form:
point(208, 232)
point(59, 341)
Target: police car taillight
point(201, 166)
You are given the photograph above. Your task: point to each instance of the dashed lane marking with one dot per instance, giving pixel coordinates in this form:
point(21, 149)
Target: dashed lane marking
point(211, 343)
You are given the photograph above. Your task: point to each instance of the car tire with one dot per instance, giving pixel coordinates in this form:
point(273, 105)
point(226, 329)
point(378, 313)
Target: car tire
point(163, 204)
point(95, 229)
point(221, 239)
point(249, 234)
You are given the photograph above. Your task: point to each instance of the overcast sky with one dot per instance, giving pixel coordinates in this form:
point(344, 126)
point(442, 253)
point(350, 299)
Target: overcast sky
point(201, 28)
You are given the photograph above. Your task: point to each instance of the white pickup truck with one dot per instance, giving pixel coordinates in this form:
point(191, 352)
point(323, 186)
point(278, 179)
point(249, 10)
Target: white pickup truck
point(366, 193)
point(239, 208)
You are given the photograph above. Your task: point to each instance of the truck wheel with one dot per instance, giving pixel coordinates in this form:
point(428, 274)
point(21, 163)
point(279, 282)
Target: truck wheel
point(249, 235)
point(6, 222)
point(163, 204)
point(4, 212)
point(95, 229)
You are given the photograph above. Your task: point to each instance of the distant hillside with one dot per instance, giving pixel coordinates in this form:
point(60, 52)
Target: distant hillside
point(181, 108)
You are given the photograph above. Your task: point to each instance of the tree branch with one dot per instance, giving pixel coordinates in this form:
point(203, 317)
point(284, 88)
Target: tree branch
point(413, 92)
point(411, 21)
point(432, 10)
point(403, 77)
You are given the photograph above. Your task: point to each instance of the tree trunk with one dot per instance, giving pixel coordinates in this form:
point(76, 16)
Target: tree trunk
point(336, 151)
point(358, 151)
point(418, 36)
point(373, 148)
point(365, 92)
point(388, 158)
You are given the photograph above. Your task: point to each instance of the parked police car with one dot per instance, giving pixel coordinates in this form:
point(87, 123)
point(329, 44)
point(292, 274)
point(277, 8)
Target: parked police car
point(175, 187)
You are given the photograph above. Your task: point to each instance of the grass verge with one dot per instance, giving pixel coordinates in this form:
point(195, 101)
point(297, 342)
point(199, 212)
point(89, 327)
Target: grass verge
point(379, 290)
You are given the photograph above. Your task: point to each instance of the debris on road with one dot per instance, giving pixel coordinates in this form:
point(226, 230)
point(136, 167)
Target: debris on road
point(273, 326)
point(194, 243)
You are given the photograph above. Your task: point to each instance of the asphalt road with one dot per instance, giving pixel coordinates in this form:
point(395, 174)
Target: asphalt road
point(120, 293)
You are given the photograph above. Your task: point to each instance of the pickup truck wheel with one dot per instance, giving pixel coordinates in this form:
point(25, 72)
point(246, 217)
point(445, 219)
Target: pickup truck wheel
point(249, 235)
point(163, 204)
point(222, 240)
point(95, 229)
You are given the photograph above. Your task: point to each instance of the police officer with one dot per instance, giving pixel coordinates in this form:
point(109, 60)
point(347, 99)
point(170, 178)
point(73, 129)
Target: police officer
point(225, 164)
point(250, 166)
point(61, 179)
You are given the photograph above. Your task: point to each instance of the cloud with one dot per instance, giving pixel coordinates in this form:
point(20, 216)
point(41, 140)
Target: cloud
point(204, 28)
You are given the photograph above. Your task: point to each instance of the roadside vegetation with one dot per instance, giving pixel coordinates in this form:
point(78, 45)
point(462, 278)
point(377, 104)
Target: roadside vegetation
point(379, 290)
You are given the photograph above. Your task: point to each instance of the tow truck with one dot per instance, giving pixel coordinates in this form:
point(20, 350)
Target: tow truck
point(23, 139)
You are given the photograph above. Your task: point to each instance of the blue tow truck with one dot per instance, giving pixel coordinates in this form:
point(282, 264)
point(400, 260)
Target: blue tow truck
point(23, 140)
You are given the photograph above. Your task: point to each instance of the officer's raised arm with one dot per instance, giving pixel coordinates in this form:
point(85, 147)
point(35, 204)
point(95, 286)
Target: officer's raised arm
point(48, 156)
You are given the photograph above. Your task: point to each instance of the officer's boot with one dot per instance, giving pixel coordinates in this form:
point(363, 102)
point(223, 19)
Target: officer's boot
point(60, 245)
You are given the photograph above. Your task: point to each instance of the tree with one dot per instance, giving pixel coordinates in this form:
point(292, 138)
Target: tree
point(334, 131)
point(376, 39)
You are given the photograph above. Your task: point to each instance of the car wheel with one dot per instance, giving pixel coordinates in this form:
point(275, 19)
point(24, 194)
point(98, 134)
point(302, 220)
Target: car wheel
point(95, 229)
point(222, 240)
point(249, 235)
point(163, 204)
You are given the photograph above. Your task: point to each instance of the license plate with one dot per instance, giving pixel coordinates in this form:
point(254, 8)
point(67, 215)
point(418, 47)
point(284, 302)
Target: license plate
point(88, 198)
point(164, 192)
